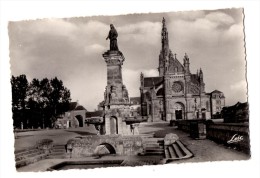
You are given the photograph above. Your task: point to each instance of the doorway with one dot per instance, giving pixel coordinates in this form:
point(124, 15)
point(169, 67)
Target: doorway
point(178, 114)
point(179, 110)
point(113, 125)
point(80, 120)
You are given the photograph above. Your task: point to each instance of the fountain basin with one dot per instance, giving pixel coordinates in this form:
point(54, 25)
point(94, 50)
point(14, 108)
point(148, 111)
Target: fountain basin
point(66, 165)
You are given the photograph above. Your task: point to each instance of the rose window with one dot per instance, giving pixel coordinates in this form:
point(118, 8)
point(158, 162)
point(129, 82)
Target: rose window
point(177, 87)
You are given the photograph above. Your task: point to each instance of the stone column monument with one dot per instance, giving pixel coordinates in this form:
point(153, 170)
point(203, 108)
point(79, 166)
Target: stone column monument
point(116, 100)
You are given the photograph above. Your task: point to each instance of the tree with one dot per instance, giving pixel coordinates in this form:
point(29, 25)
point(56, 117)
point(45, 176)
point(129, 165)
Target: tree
point(50, 98)
point(35, 104)
point(19, 93)
point(38, 104)
point(59, 96)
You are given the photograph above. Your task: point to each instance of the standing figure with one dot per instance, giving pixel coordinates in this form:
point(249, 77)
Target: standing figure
point(112, 36)
point(125, 94)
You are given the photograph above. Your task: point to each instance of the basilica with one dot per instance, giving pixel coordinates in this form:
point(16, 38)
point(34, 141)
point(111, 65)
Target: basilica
point(177, 93)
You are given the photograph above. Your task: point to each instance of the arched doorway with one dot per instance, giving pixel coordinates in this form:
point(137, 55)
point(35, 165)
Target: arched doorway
point(80, 120)
point(179, 110)
point(110, 148)
point(113, 125)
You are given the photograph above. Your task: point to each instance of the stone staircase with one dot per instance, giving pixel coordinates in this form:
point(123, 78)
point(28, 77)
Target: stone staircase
point(176, 151)
point(155, 152)
point(58, 152)
point(28, 156)
point(153, 147)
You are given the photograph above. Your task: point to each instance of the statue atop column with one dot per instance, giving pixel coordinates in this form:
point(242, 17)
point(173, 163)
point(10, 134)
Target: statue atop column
point(112, 36)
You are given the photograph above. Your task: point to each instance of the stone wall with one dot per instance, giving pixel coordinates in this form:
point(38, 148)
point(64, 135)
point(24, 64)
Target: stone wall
point(45, 144)
point(196, 128)
point(235, 135)
point(123, 145)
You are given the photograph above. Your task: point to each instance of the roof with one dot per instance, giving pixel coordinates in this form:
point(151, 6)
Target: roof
point(75, 106)
point(160, 92)
point(98, 113)
point(216, 91)
point(150, 81)
point(72, 105)
point(79, 107)
point(194, 79)
point(174, 64)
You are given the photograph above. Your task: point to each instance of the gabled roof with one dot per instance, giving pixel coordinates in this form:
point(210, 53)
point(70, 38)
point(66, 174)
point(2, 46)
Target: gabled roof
point(150, 81)
point(75, 106)
point(217, 92)
point(175, 64)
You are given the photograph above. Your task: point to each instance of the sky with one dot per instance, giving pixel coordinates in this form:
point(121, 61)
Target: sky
point(71, 49)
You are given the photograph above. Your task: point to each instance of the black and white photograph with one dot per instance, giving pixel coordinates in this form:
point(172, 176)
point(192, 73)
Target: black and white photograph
point(129, 90)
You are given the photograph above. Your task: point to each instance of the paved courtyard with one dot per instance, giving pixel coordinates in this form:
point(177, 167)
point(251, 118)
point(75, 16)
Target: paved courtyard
point(203, 150)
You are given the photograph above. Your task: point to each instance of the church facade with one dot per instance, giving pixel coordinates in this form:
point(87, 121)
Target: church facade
point(176, 93)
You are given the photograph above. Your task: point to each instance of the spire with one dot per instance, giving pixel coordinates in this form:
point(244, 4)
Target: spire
point(142, 79)
point(165, 41)
point(163, 21)
point(201, 74)
point(164, 54)
point(201, 71)
point(141, 75)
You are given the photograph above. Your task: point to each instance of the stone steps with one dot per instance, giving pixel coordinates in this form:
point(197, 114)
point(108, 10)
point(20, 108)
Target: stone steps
point(58, 152)
point(28, 156)
point(176, 151)
point(26, 152)
point(153, 146)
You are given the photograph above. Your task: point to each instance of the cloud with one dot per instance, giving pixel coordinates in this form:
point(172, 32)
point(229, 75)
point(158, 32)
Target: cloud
point(239, 85)
point(187, 15)
point(56, 27)
point(150, 73)
point(140, 33)
point(220, 18)
point(95, 48)
point(235, 32)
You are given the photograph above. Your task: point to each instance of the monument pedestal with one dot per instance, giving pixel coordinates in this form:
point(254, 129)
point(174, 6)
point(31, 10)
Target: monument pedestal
point(116, 99)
